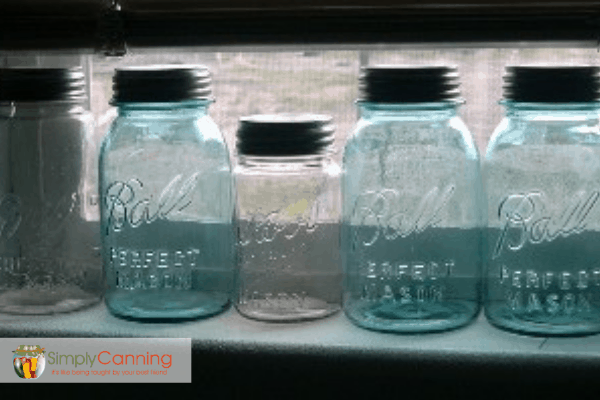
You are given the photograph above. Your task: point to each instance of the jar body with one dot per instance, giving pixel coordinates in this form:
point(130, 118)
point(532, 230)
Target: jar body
point(542, 174)
point(49, 248)
point(412, 219)
point(288, 221)
point(167, 206)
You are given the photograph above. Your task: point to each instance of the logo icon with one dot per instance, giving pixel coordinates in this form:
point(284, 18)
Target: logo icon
point(29, 361)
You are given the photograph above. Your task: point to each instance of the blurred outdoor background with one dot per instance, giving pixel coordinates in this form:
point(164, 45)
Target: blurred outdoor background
point(307, 80)
point(326, 82)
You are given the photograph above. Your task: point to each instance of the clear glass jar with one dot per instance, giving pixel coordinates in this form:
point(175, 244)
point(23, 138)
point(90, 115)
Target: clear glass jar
point(166, 189)
point(412, 205)
point(49, 250)
point(542, 175)
point(288, 211)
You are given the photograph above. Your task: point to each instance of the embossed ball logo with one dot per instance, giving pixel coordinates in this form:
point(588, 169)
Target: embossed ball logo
point(29, 361)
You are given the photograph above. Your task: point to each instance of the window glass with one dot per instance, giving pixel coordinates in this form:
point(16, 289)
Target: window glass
point(326, 81)
point(308, 79)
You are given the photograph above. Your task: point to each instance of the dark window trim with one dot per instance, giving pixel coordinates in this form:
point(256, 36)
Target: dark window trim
point(89, 24)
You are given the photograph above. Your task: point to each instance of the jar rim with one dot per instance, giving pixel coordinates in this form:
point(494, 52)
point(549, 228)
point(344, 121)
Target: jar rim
point(306, 159)
point(546, 105)
point(285, 158)
point(163, 104)
point(425, 105)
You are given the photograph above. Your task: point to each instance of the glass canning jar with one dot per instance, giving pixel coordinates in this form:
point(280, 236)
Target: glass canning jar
point(287, 218)
point(412, 205)
point(49, 249)
point(167, 200)
point(542, 176)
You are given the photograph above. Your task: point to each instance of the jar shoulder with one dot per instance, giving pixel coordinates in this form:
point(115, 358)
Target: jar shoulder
point(373, 136)
point(83, 118)
point(200, 134)
point(288, 170)
point(561, 134)
point(443, 157)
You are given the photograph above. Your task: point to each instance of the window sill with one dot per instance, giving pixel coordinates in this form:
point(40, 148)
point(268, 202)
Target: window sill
point(234, 356)
point(230, 332)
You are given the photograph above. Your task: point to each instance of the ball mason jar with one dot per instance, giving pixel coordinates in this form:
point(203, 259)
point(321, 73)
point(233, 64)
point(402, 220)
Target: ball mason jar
point(288, 212)
point(412, 205)
point(49, 248)
point(542, 177)
point(166, 189)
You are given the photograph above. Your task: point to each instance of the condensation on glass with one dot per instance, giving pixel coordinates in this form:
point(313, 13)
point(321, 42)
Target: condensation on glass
point(542, 177)
point(288, 212)
point(167, 201)
point(49, 251)
point(412, 205)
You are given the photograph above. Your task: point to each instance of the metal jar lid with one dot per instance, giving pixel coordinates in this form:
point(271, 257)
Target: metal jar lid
point(42, 84)
point(408, 84)
point(161, 84)
point(285, 135)
point(552, 84)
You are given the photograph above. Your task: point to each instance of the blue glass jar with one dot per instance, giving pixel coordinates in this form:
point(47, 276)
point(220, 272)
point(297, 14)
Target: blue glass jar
point(542, 176)
point(166, 188)
point(412, 205)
